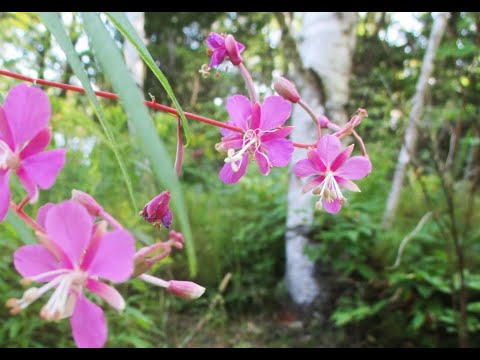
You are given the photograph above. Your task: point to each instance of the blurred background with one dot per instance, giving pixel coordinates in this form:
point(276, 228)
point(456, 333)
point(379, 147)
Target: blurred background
point(398, 266)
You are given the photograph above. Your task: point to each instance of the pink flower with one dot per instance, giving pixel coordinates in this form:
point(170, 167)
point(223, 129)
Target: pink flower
point(332, 170)
point(24, 135)
point(219, 49)
point(264, 136)
point(87, 253)
point(157, 212)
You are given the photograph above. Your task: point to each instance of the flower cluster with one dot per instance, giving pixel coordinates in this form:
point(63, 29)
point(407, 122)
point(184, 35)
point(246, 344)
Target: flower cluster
point(83, 249)
point(81, 246)
point(262, 136)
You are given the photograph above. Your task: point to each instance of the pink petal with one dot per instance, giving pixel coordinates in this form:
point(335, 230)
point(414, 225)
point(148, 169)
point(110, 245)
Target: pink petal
point(328, 148)
point(312, 184)
point(240, 46)
point(240, 109)
point(38, 144)
point(275, 111)
point(317, 162)
point(89, 327)
point(355, 168)
point(232, 144)
point(228, 176)
point(304, 168)
point(215, 40)
point(69, 225)
point(43, 168)
point(341, 158)
point(113, 259)
point(27, 110)
point(42, 213)
point(227, 132)
point(256, 114)
point(347, 184)
point(107, 293)
point(31, 260)
point(5, 133)
point(279, 133)
point(332, 207)
point(279, 151)
point(28, 184)
point(217, 57)
point(4, 193)
point(262, 162)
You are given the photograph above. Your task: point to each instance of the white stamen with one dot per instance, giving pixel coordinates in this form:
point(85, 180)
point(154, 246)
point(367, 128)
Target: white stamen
point(8, 159)
point(328, 189)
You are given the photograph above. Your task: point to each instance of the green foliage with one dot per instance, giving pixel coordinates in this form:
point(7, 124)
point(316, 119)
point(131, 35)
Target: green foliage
point(125, 27)
point(240, 229)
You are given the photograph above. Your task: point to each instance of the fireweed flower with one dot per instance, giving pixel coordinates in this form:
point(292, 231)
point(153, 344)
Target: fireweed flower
point(87, 253)
point(24, 135)
point(264, 136)
point(332, 170)
point(221, 46)
point(157, 212)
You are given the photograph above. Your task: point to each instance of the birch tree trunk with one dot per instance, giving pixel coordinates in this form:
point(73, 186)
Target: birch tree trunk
point(132, 58)
point(411, 132)
point(321, 70)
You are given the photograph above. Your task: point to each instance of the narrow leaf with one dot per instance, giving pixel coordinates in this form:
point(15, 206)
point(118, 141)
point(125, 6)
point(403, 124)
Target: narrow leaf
point(55, 26)
point(124, 25)
point(114, 67)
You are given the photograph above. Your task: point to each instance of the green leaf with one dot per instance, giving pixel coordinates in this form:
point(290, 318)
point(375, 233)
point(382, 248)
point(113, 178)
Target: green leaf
point(123, 25)
point(116, 70)
point(417, 321)
point(474, 307)
point(21, 229)
point(54, 25)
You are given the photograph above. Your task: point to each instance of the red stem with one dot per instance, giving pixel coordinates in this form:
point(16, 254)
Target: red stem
point(23, 203)
point(151, 104)
point(28, 220)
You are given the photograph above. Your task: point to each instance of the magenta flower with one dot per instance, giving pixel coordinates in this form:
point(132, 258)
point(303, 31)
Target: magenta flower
point(264, 136)
point(87, 253)
point(157, 212)
point(218, 50)
point(332, 170)
point(24, 135)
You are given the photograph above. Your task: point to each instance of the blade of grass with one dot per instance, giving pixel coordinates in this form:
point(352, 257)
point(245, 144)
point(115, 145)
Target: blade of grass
point(124, 25)
point(114, 67)
point(55, 26)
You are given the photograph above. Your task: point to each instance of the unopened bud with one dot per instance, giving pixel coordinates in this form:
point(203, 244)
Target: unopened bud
point(233, 50)
point(88, 202)
point(185, 289)
point(323, 121)
point(286, 89)
point(178, 238)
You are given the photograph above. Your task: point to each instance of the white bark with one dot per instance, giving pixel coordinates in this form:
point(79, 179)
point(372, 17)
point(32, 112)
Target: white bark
point(411, 132)
point(326, 48)
point(133, 60)
point(329, 42)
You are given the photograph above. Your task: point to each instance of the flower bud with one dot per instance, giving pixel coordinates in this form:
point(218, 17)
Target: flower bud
point(323, 121)
point(157, 211)
point(233, 50)
point(88, 202)
point(185, 289)
point(286, 89)
point(178, 239)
